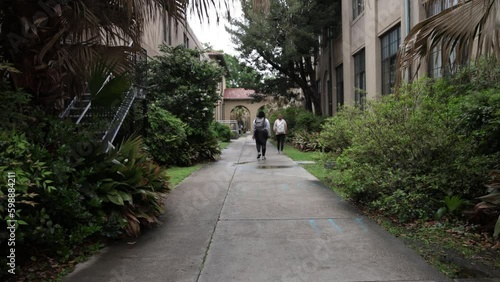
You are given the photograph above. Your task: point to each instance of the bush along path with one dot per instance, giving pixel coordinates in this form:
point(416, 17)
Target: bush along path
point(425, 160)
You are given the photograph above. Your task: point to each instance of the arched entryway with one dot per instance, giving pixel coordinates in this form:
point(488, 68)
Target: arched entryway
point(242, 115)
point(241, 98)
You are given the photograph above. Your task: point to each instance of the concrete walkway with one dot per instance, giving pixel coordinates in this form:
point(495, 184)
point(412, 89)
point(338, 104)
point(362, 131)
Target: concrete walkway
point(240, 219)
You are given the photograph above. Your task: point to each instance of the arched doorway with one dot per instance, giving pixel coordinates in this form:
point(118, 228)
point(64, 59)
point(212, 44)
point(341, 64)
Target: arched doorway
point(242, 115)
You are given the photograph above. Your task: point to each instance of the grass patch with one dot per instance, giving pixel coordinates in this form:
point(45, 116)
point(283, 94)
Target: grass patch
point(177, 174)
point(317, 169)
point(223, 145)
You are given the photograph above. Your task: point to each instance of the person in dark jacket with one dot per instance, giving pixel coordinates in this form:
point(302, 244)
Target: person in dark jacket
point(261, 129)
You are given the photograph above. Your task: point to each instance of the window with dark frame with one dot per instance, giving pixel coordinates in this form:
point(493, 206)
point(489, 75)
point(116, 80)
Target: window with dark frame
point(435, 66)
point(357, 8)
point(186, 40)
point(359, 78)
point(339, 79)
point(165, 27)
point(390, 45)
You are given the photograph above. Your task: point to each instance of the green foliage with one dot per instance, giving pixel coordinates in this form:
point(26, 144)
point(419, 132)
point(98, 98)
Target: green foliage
point(186, 86)
point(286, 39)
point(307, 121)
point(306, 141)
point(15, 106)
point(337, 133)
point(67, 191)
point(222, 131)
point(165, 135)
point(48, 199)
point(479, 116)
point(241, 75)
point(106, 88)
point(452, 205)
point(490, 203)
point(129, 185)
point(477, 76)
point(403, 153)
point(303, 128)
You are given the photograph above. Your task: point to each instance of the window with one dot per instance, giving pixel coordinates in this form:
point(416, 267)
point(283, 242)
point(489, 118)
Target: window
point(330, 97)
point(435, 67)
point(359, 78)
point(390, 45)
point(165, 27)
point(186, 40)
point(357, 8)
point(339, 77)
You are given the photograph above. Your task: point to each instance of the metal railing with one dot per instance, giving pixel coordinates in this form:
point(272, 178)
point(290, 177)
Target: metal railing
point(121, 113)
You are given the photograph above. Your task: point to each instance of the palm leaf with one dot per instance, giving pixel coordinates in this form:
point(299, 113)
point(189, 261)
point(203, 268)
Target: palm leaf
point(62, 47)
point(471, 28)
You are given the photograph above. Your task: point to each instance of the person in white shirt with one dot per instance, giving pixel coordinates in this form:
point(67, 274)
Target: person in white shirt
point(261, 129)
point(280, 129)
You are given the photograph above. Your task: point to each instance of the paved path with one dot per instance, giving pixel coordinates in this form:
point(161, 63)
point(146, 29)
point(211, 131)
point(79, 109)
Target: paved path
point(240, 219)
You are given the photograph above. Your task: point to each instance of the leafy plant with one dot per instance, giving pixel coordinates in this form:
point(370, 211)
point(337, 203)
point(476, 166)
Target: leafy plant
point(107, 88)
point(222, 131)
point(166, 135)
point(306, 141)
point(405, 150)
point(491, 202)
point(130, 186)
point(186, 86)
point(452, 204)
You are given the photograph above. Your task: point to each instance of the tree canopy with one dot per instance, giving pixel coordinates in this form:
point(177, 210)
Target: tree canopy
point(53, 43)
point(284, 41)
point(241, 75)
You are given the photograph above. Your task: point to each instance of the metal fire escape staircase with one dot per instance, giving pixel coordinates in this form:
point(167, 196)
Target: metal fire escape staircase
point(81, 111)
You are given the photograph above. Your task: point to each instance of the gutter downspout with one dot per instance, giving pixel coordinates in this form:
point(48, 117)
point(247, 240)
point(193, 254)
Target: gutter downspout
point(407, 24)
point(330, 84)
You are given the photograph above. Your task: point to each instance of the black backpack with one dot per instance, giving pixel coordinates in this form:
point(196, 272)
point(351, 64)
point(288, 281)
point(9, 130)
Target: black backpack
point(260, 124)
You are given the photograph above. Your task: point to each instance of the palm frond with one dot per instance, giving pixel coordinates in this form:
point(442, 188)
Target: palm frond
point(471, 28)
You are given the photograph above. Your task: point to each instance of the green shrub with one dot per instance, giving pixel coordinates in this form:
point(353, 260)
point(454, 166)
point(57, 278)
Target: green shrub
point(129, 185)
point(487, 212)
point(68, 192)
point(307, 121)
point(166, 135)
point(479, 116)
point(186, 86)
point(337, 132)
point(222, 132)
point(306, 141)
point(48, 199)
point(403, 155)
point(303, 127)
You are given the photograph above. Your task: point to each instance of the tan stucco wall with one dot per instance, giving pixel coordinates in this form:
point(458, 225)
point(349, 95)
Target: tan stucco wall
point(229, 105)
point(378, 17)
point(154, 36)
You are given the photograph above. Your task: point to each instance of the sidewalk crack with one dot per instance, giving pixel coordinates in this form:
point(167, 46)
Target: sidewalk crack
point(218, 218)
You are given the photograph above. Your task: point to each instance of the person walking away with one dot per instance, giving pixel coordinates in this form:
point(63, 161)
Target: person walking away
point(261, 129)
point(280, 129)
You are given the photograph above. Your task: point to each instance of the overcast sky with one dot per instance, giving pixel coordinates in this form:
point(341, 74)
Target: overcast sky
point(216, 34)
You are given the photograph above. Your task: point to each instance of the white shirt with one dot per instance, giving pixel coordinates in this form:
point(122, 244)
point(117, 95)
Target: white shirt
point(278, 123)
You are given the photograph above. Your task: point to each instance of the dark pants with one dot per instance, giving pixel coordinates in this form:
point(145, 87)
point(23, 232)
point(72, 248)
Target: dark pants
point(281, 141)
point(261, 146)
point(261, 141)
